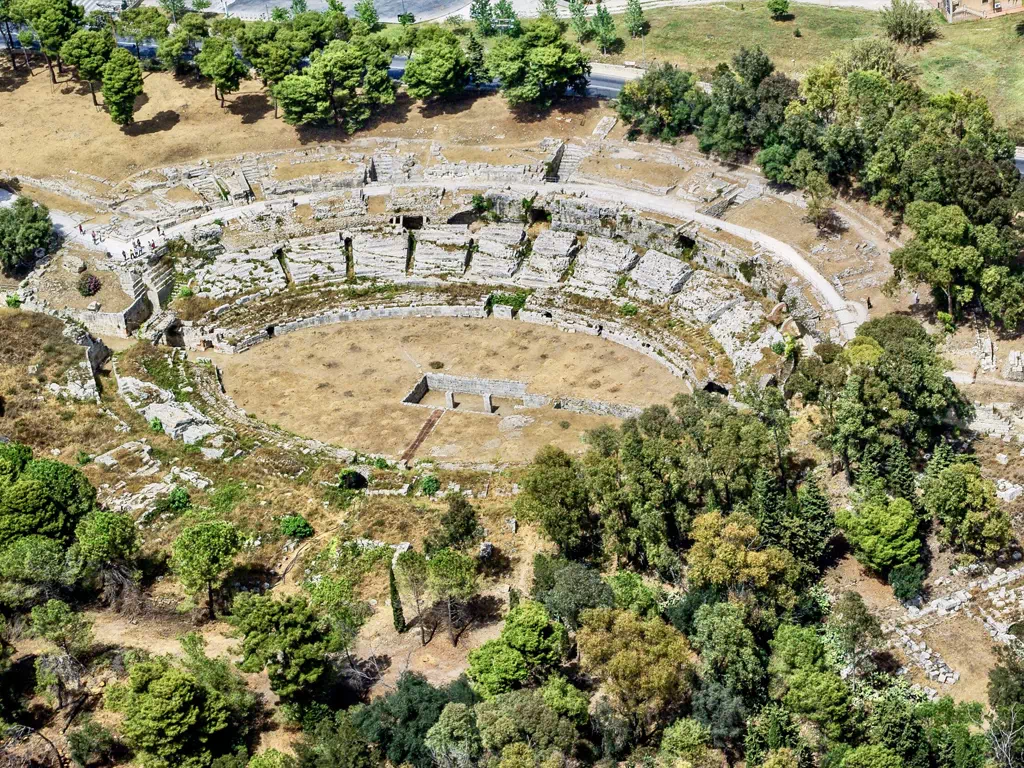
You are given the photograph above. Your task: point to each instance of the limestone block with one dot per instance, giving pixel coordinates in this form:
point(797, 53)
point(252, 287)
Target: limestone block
point(380, 254)
point(600, 265)
point(240, 272)
point(658, 275)
point(744, 334)
point(319, 258)
point(499, 251)
point(705, 296)
point(551, 256)
point(441, 250)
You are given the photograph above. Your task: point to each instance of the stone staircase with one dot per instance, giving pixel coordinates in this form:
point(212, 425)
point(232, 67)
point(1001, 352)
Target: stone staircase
point(572, 156)
point(383, 166)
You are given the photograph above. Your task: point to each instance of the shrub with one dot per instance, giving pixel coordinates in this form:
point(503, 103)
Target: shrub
point(13, 302)
point(185, 292)
point(91, 744)
point(296, 527)
point(178, 500)
point(436, 365)
point(155, 425)
point(430, 485)
point(906, 581)
point(515, 300)
point(906, 23)
point(779, 9)
point(481, 204)
point(629, 309)
point(88, 285)
point(796, 32)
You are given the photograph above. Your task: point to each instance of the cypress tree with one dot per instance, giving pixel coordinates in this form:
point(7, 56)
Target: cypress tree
point(899, 475)
point(768, 506)
point(810, 533)
point(396, 603)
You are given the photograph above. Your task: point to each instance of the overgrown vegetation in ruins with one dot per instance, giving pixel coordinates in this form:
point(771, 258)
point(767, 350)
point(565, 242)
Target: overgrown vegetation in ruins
point(861, 123)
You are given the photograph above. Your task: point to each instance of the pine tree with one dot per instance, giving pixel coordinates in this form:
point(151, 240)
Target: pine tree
point(549, 8)
point(809, 533)
point(396, 603)
point(475, 61)
point(481, 12)
point(635, 21)
point(580, 22)
point(899, 475)
point(941, 459)
point(603, 26)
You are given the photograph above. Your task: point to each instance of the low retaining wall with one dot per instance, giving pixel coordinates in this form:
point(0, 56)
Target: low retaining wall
point(476, 311)
point(121, 324)
point(596, 407)
point(466, 385)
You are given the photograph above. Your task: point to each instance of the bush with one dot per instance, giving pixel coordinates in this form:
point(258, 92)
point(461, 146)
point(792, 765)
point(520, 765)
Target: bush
point(436, 365)
point(185, 292)
point(906, 581)
point(481, 204)
point(157, 426)
point(178, 500)
point(430, 485)
point(515, 300)
point(88, 285)
point(629, 309)
point(296, 527)
point(91, 744)
point(779, 9)
point(13, 302)
point(905, 22)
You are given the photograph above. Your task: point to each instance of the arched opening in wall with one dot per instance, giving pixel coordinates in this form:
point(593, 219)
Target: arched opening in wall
point(714, 386)
point(412, 222)
point(548, 315)
point(270, 331)
point(463, 217)
point(538, 214)
point(685, 244)
point(174, 337)
point(349, 266)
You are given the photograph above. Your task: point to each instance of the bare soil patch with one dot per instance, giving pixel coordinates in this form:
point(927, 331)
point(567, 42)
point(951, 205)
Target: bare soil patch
point(47, 131)
point(965, 645)
point(345, 384)
point(60, 286)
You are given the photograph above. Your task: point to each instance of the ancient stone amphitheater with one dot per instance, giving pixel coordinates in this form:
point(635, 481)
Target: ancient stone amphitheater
point(562, 234)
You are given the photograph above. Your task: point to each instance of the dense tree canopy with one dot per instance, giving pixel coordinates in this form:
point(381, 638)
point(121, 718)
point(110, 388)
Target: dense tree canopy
point(25, 228)
point(539, 65)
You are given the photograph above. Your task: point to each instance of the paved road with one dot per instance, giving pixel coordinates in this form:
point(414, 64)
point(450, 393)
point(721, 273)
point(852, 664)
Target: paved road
point(606, 80)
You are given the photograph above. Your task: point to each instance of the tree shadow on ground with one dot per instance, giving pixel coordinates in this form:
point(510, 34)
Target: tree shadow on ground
point(12, 79)
point(190, 78)
point(396, 113)
point(452, 107)
point(161, 121)
point(479, 611)
point(251, 107)
point(570, 105)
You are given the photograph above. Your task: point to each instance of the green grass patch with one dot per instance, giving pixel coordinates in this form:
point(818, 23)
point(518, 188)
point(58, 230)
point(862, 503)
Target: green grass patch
point(986, 57)
point(698, 38)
